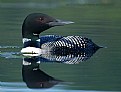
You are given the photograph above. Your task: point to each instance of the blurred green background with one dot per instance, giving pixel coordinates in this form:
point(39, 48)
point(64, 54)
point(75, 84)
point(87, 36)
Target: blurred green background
point(99, 20)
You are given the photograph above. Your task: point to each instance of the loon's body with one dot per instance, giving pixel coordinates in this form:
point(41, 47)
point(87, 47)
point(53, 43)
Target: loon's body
point(68, 43)
point(36, 23)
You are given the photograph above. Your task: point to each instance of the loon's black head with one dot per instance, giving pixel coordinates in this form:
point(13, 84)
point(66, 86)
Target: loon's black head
point(35, 23)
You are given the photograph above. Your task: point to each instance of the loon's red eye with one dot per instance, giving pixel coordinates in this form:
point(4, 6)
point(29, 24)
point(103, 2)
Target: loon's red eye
point(41, 19)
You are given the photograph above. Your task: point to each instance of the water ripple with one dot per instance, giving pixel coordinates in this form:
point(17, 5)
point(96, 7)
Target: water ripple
point(21, 87)
point(10, 54)
point(4, 47)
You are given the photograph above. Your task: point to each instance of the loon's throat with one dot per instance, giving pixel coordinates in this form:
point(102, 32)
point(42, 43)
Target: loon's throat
point(31, 43)
point(29, 34)
point(30, 39)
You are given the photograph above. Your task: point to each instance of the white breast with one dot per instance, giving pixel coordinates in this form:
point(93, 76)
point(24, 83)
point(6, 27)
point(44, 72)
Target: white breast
point(32, 51)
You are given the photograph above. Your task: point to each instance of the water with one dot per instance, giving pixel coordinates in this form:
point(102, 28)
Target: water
point(95, 19)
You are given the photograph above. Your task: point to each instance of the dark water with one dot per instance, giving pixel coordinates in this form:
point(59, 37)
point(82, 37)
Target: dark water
point(95, 19)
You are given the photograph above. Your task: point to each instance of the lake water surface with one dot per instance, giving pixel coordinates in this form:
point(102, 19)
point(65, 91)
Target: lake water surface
point(99, 20)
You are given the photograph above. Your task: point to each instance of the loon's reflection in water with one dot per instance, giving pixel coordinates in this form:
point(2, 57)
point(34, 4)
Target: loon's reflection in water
point(34, 77)
point(68, 58)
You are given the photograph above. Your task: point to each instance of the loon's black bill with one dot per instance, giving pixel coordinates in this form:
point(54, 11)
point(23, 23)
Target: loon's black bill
point(59, 23)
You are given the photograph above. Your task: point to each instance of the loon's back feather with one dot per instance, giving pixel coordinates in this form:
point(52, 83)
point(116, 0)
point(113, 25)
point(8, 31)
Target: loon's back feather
point(49, 38)
point(68, 43)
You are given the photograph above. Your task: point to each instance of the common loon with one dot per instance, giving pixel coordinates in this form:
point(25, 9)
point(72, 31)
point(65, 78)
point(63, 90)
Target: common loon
point(36, 23)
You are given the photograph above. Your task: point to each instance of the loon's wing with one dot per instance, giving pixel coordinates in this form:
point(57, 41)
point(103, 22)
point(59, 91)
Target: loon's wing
point(70, 43)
